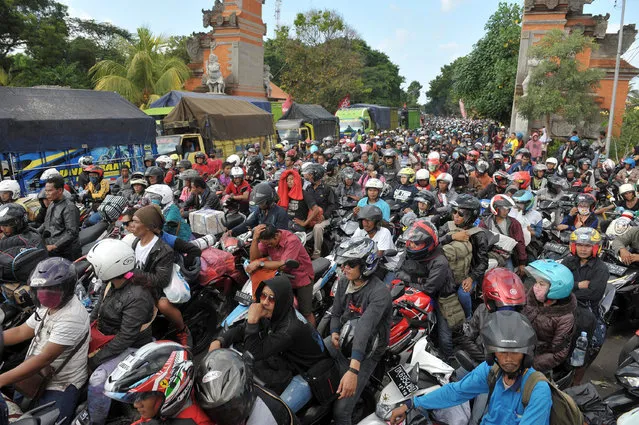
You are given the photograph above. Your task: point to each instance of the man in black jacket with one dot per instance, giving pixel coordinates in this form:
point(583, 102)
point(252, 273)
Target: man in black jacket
point(465, 210)
point(201, 198)
point(268, 212)
point(61, 226)
point(325, 199)
point(275, 333)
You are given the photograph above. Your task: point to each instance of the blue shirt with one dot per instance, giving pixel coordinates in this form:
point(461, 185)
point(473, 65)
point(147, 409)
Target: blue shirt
point(504, 407)
point(381, 204)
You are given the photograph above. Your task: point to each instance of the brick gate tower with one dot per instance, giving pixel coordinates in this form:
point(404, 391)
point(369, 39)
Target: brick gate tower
point(236, 42)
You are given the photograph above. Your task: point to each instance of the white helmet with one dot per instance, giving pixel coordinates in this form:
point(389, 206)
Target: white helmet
point(234, 160)
point(625, 188)
point(111, 258)
point(552, 160)
point(237, 172)
point(608, 164)
point(374, 184)
point(164, 161)
point(48, 173)
point(433, 156)
point(446, 178)
point(162, 191)
point(11, 186)
point(422, 174)
point(85, 161)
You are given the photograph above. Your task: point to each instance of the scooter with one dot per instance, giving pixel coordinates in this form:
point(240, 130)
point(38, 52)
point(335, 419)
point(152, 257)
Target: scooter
point(627, 375)
point(423, 374)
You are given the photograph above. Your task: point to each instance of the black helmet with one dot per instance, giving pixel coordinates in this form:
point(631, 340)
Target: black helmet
point(347, 337)
point(555, 182)
point(570, 169)
point(262, 193)
point(224, 386)
point(363, 250)
point(185, 163)
point(154, 171)
point(348, 173)
point(13, 215)
point(509, 332)
point(254, 160)
point(470, 206)
point(52, 273)
point(316, 171)
point(200, 155)
point(370, 212)
point(426, 197)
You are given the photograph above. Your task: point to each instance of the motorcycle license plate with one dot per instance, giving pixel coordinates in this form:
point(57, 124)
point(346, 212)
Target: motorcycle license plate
point(401, 379)
point(243, 298)
point(555, 247)
point(616, 270)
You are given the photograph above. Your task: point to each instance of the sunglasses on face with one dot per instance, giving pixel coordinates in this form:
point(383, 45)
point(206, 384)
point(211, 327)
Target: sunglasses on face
point(126, 223)
point(265, 297)
point(458, 211)
point(351, 264)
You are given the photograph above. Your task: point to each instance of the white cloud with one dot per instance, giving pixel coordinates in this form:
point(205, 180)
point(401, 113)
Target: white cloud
point(448, 5)
point(395, 42)
point(449, 46)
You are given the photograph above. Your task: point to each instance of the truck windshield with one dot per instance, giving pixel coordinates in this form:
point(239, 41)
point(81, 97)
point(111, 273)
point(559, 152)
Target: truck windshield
point(167, 144)
point(353, 124)
point(292, 135)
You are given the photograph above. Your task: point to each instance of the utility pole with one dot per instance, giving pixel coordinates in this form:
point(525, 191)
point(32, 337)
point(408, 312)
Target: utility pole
point(278, 6)
point(616, 80)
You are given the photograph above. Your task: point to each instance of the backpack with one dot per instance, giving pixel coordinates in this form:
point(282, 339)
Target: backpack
point(564, 410)
point(459, 254)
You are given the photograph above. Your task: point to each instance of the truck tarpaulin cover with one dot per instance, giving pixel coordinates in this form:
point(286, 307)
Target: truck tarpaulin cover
point(44, 119)
point(223, 118)
point(173, 97)
point(379, 114)
point(309, 112)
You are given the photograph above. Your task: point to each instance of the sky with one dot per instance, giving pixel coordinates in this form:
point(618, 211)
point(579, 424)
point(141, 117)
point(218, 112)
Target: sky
point(420, 36)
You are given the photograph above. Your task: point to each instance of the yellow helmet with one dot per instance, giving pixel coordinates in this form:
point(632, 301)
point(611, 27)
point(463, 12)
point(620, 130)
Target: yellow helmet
point(408, 172)
point(175, 157)
point(585, 236)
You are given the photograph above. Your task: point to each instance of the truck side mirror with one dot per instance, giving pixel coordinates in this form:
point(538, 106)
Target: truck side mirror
point(179, 150)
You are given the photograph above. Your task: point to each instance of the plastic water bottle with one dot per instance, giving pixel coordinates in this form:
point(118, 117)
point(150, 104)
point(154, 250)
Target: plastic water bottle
point(82, 295)
point(579, 353)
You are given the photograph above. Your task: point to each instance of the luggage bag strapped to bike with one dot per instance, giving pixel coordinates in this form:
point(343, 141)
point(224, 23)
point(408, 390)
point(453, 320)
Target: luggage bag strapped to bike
point(564, 410)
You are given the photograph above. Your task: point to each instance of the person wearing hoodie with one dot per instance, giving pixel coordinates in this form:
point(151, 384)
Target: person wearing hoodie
point(360, 323)
point(275, 334)
point(298, 203)
point(550, 307)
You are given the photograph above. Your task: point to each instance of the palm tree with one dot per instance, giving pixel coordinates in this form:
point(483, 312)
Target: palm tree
point(146, 74)
point(632, 100)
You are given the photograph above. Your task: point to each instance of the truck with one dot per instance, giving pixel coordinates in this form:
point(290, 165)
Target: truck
point(410, 118)
point(207, 123)
point(42, 128)
point(366, 117)
point(306, 122)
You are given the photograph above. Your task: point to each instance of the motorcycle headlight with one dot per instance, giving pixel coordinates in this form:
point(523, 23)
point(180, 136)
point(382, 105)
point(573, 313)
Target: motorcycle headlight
point(630, 381)
point(384, 411)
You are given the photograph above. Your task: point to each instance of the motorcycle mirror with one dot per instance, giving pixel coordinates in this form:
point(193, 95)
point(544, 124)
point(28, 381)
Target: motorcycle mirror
point(465, 360)
point(390, 253)
point(414, 373)
point(291, 264)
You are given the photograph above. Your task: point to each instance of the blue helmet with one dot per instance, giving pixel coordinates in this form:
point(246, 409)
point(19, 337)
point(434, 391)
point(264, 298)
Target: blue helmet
point(559, 276)
point(525, 197)
point(574, 139)
point(314, 148)
point(630, 162)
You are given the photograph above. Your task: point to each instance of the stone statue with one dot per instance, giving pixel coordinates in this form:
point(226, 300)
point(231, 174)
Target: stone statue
point(213, 16)
point(212, 77)
point(233, 19)
point(531, 65)
point(601, 25)
point(193, 48)
point(267, 80)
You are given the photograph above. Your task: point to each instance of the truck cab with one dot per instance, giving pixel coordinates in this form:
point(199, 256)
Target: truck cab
point(185, 145)
point(294, 130)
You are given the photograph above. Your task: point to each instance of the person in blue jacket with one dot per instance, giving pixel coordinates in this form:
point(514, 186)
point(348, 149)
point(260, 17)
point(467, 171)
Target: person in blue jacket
point(373, 190)
point(510, 343)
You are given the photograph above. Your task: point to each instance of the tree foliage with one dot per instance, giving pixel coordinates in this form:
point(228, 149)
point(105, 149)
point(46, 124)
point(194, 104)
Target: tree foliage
point(320, 59)
point(413, 92)
point(560, 84)
point(485, 78)
point(146, 74)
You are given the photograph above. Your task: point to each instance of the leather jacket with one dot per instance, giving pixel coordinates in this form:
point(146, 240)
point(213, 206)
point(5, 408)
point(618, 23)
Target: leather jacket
point(158, 268)
point(122, 312)
point(209, 201)
point(61, 228)
point(13, 245)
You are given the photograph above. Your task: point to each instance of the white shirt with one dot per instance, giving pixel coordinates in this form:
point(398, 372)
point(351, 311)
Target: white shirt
point(67, 327)
point(384, 242)
point(142, 252)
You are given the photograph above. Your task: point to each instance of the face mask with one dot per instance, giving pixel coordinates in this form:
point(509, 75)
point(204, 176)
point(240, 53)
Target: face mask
point(155, 201)
point(432, 167)
point(93, 180)
point(49, 298)
point(540, 293)
point(583, 210)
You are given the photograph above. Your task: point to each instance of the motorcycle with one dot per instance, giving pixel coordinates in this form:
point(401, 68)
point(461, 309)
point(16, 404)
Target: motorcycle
point(627, 375)
point(626, 283)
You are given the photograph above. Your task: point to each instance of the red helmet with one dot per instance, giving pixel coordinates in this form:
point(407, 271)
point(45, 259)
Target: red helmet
point(522, 178)
point(502, 288)
point(474, 154)
point(95, 169)
point(292, 153)
point(420, 238)
point(502, 201)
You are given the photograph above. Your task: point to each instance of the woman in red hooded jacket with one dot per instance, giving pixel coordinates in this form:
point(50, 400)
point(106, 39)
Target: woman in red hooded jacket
point(299, 205)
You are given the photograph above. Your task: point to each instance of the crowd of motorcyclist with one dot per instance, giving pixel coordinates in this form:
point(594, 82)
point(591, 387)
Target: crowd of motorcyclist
point(453, 197)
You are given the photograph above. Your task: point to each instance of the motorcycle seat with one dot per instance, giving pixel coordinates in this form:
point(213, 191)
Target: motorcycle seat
point(90, 234)
point(320, 265)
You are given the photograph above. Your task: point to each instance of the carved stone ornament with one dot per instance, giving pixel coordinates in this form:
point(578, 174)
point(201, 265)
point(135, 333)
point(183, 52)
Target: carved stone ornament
point(193, 48)
point(601, 25)
point(212, 17)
